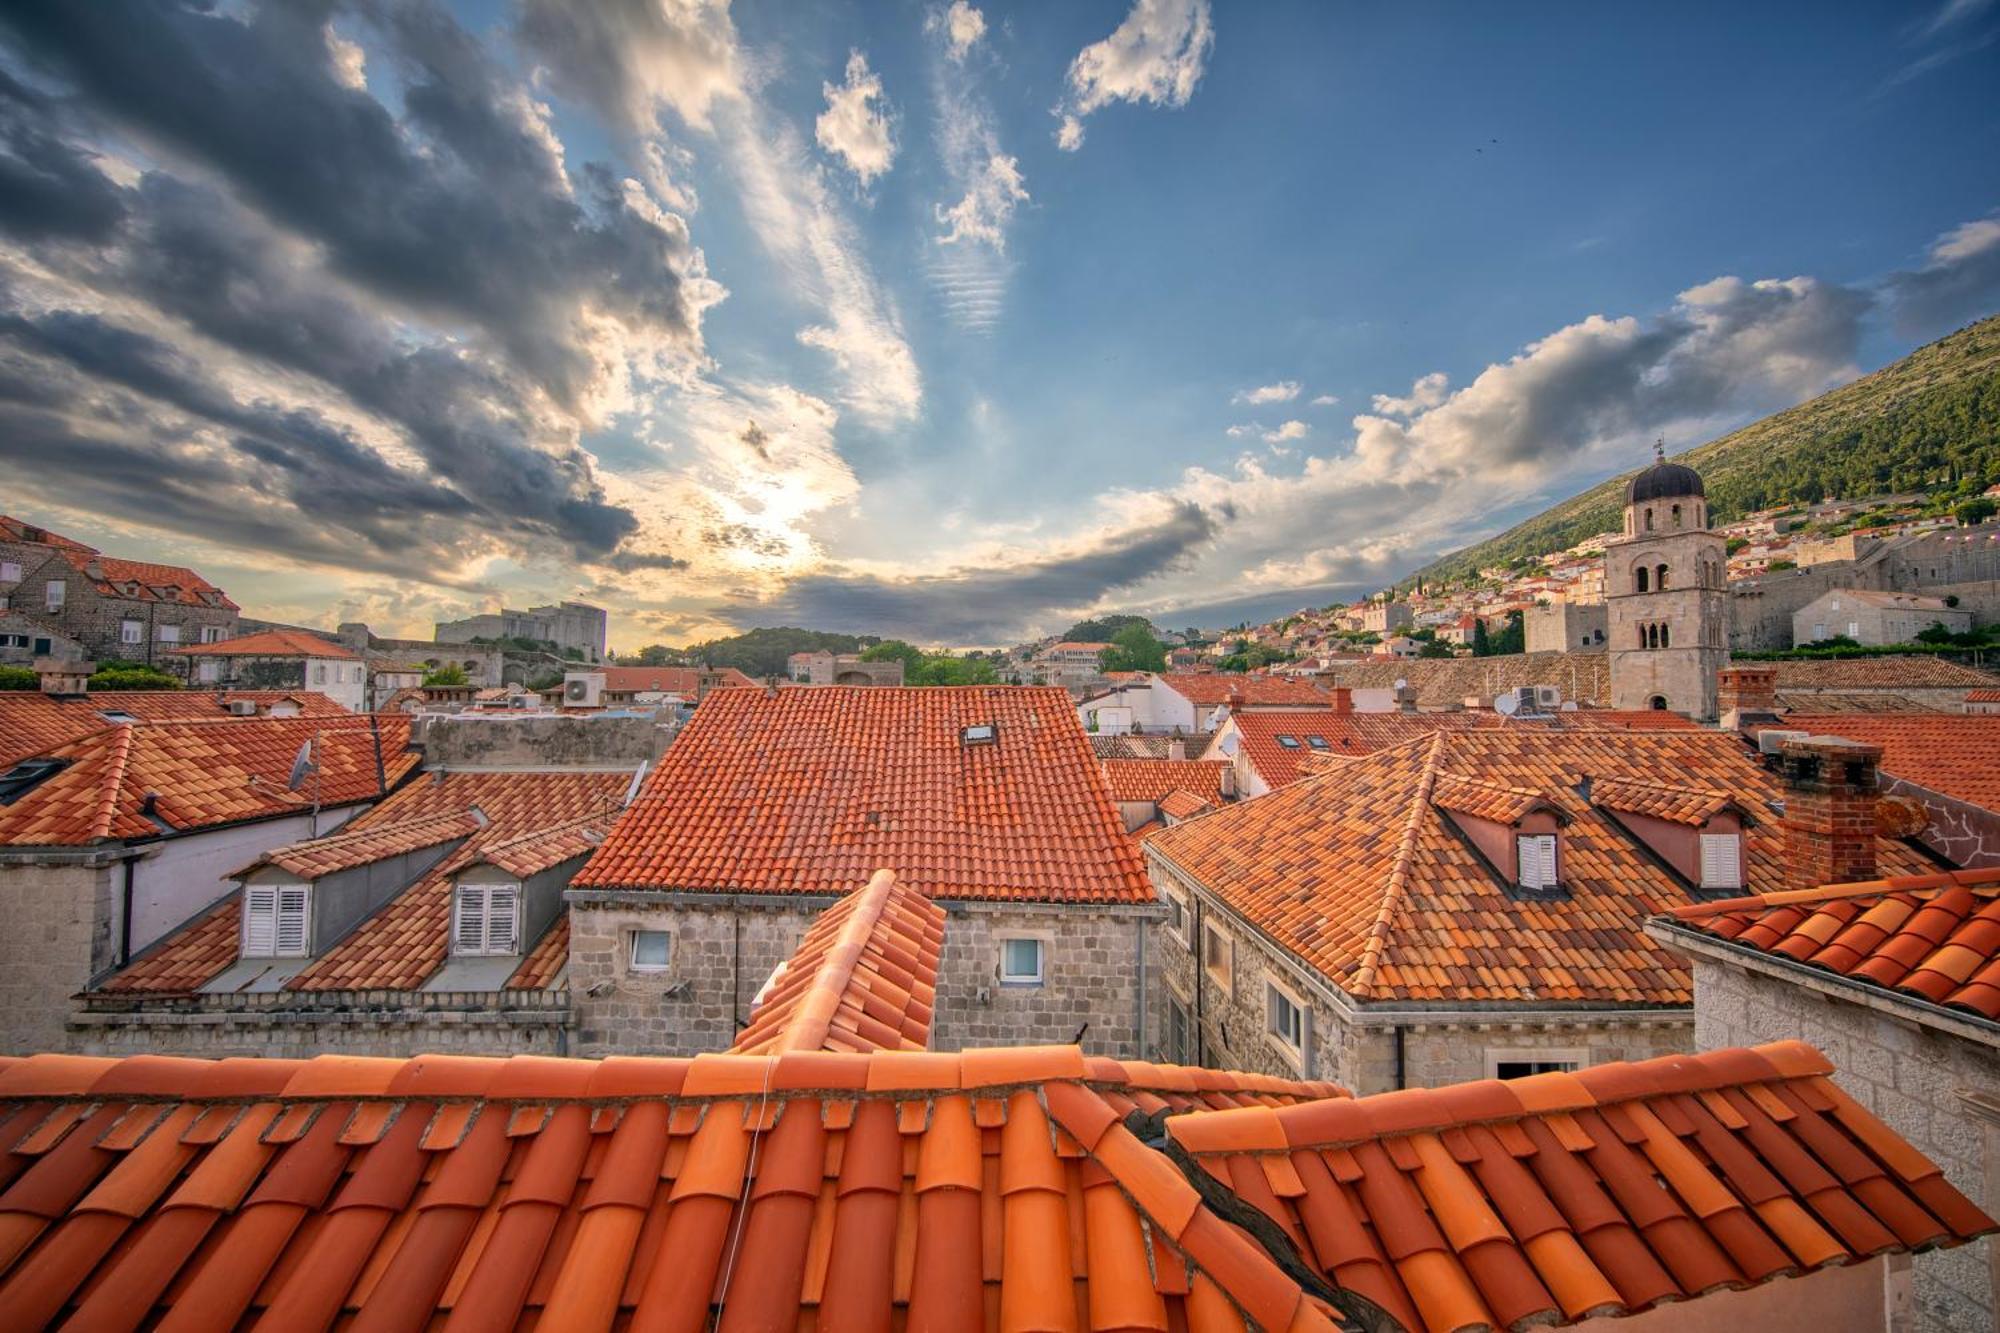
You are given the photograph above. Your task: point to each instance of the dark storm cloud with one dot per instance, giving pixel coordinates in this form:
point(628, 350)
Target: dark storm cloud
point(1958, 283)
point(457, 218)
point(988, 605)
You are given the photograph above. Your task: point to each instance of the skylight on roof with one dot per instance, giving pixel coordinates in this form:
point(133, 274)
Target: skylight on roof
point(984, 733)
point(1289, 742)
point(1318, 743)
point(25, 776)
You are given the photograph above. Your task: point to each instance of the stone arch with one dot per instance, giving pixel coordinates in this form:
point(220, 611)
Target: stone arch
point(1640, 575)
point(1658, 703)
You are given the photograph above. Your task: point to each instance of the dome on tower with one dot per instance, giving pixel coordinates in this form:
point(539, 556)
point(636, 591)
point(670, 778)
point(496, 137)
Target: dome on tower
point(1663, 480)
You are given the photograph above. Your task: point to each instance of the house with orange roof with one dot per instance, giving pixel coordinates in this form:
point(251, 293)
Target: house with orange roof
point(1140, 787)
point(35, 721)
point(1472, 903)
point(434, 921)
point(769, 807)
point(132, 610)
point(1191, 703)
point(280, 659)
point(111, 841)
point(1900, 978)
point(613, 686)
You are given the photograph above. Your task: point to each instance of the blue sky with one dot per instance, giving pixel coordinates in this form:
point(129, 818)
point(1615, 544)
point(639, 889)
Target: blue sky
point(948, 322)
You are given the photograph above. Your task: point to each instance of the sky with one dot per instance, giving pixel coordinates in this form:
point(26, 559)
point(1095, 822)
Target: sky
point(953, 322)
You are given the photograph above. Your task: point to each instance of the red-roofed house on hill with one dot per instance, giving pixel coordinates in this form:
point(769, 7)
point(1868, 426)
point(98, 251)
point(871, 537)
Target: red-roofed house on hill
point(769, 806)
point(281, 659)
point(111, 841)
point(131, 610)
point(1900, 980)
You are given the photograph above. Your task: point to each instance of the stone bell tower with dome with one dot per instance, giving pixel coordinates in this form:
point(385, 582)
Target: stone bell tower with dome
point(1666, 594)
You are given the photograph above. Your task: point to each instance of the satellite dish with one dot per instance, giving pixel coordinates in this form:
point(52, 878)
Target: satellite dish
point(1507, 705)
point(1402, 684)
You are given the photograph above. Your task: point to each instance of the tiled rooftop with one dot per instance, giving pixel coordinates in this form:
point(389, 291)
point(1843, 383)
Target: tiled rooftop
point(271, 643)
point(812, 791)
point(1693, 806)
point(1359, 873)
point(1901, 671)
point(142, 580)
point(1928, 937)
point(1150, 779)
point(1208, 690)
point(989, 1189)
point(1955, 754)
point(196, 774)
point(1180, 803)
point(360, 846)
point(667, 680)
point(863, 979)
point(34, 723)
point(1563, 1197)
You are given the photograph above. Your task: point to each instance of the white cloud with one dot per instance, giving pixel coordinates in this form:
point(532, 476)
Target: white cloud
point(628, 60)
point(1156, 55)
point(1240, 430)
point(855, 125)
point(990, 199)
point(1958, 282)
point(1426, 393)
point(1281, 392)
point(962, 26)
point(350, 64)
point(1290, 430)
point(1325, 400)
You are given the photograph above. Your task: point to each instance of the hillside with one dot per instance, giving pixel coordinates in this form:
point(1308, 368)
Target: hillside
point(763, 652)
point(1934, 414)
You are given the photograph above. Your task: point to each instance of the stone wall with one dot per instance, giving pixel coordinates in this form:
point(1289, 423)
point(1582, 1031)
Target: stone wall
point(1965, 834)
point(1909, 1075)
point(540, 740)
point(1094, 962)
point(59, 913)
point(300, 1025)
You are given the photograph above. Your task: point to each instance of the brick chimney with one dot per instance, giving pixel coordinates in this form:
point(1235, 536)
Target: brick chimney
point(1343, 699)
point(1746, 695)
point(1830, 815)
point(62, 677)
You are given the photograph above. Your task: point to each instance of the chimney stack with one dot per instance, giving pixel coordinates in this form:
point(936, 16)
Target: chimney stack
point(1830, 810)
point(61, 677)
point(1343, 699)
point(1746, 695)
point(1177, 748)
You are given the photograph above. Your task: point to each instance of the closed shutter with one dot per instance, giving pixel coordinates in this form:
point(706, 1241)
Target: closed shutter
point(501, 917)
point(1721, 861)
point(470, 931)
point(1538, 860)
point(291, 924)
point(260, 920)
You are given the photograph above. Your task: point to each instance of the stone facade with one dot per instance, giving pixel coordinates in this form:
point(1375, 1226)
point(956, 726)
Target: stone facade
point(1912, 1076)
point(299, 1025)
point(1566, 627)
point(109, 626)
point(725, 946)
point(1667, 606)
point(59, 908)
point(1226, 1010)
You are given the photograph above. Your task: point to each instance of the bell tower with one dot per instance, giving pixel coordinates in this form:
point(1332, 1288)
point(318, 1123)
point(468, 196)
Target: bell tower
point(1666, 594)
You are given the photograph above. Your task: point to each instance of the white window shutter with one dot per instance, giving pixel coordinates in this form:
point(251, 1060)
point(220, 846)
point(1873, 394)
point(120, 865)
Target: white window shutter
point(260, 913)
point(1721, 861)
point(471, 926)
point(291, 924)
point(1538, 860)
point(502, 919)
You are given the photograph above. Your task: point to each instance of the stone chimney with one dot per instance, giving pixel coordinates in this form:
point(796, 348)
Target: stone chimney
point(1830, 815)
point(1177, 748)
point(1343, 699)
point(1406, 698)
point(1746, 695)
point(63, 677)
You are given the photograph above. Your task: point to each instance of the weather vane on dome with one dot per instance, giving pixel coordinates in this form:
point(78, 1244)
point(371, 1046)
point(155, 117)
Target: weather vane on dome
point(1660, 450)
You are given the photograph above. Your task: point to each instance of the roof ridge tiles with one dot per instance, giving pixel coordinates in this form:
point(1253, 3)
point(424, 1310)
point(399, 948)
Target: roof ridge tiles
point(1399, 874)
point(1944, 879)
point(111, 788)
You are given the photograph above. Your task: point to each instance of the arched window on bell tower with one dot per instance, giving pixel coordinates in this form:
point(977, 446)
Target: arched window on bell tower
point(1660, 579)
point(1677, 515)
point(1640, 576)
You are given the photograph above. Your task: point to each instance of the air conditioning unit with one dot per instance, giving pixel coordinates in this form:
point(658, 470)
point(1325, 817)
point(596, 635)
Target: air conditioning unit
point(242, 707)
point(583, 689)
point(1548, 697)
point(1772, 740)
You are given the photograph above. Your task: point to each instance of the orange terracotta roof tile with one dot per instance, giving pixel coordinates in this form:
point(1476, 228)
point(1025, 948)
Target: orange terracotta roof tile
point(1932, 938)
point(1982, 696)
point(144, 780)
point(271, 643)
point(1953, 754)
point(144, 581)
point(1565, 1197)
point(1360, 875)
point(1488, 800)
point(864, 978)
point(741, 1191)
point(1694, 806)
point(189, 958)
point(666, 680)
point(1210, 690)
point(812, 791)
point(362, 846)
point(34, 723)
point(20, 530)
point(1181, 803)
point(1150, 779)
point(544, 963)
point(1903, 671)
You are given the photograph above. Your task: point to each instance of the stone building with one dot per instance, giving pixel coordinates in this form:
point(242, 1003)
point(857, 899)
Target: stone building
point(1866, 615)
point(130, 610)
point(23, 639)
point(828, 668)
point(281, 660)
point(114, 840)
point(573, 627)
point(1566, 627)
point(1666, 598)
point(1468, 904)
point(1386, 617)
point(769, 806)
point(1898, 984)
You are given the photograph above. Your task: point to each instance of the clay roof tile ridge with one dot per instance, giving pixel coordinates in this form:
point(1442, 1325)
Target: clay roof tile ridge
point(1399, 876)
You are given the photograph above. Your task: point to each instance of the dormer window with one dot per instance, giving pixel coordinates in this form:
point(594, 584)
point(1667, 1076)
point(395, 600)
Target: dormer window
point(1722, 861)
point(486, 920)
point(1535, 856)
point(275, 920)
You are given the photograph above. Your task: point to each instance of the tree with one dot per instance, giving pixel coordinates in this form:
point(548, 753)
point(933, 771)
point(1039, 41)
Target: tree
point(128, 677)
point(1103, 629)
point(1482, 642)
point(1435, 648)
point(895, 650)
point(944, 669)
point(448, 676)
point(1976, 510)
point(19, 678)
point(655, 655)
point(1134, 649)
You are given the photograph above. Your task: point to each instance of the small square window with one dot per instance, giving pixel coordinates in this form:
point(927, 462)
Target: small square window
point(1020, 962)
point(1318, 743)
point(651, 950)
point(170, 633)
point(1217, 955)
point(1289, 742)
point(131, 631)
point(1285, 1019)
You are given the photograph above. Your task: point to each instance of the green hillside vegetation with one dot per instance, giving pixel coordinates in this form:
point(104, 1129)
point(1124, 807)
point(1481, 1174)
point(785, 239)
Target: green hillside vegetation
point(757, 652)
point(1931, 419)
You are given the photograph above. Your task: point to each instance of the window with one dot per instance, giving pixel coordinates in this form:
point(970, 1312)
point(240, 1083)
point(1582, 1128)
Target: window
point(170, 634)
point(1179, 1041)
point(1537, 852)
point(1660, 579)
point(1176, 915)
point(1517, 1063)
point(57, 593)
point(1524, 1068)
point(1318, 743)
point(9, 572)
point(486, 920)
point(209, 670)
point(651, 950)
point(1218, 955)
point(1020, 962)
point(274, 920)
point(43, 647)
point(1853, 629)
point(319, 674)
point(984, 734)
point(131, 631)
point(1284, 1019)
point(13, 641)
point(211, 634)
point(1721, 861)
point(1289, 742)
point(1640, 576)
